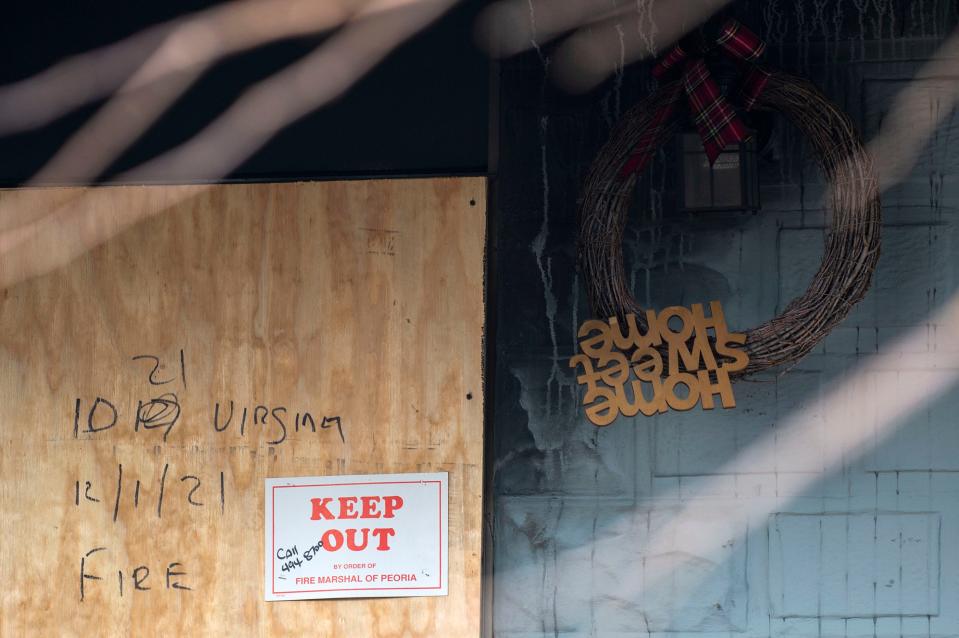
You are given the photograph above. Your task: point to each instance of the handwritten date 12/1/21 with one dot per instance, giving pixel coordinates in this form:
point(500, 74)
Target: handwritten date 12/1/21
point(151, 495)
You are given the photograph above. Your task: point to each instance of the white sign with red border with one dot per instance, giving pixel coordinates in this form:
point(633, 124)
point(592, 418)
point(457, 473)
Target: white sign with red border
point(372, 535)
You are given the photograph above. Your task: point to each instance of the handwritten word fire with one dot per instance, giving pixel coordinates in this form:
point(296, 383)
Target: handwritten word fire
point(700, 355)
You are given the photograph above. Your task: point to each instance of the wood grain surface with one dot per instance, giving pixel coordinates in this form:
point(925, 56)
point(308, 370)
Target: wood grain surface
point(121, 364)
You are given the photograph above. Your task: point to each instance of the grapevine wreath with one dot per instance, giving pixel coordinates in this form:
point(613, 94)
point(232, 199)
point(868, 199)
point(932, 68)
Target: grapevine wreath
point(852, 239)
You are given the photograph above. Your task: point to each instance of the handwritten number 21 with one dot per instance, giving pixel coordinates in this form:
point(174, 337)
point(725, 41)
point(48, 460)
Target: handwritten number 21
point(156, 368)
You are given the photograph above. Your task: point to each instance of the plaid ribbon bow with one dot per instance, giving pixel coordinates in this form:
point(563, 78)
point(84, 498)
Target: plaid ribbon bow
point(715, 118)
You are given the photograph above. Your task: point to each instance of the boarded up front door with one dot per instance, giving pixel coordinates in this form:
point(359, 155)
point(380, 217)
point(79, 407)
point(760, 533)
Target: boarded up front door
point(148, 387)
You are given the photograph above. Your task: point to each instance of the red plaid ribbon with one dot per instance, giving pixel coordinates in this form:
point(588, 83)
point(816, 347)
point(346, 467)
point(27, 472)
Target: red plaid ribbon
point(715, 118)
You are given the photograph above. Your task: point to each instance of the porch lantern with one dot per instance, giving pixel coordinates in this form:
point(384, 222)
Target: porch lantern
point(729, 184)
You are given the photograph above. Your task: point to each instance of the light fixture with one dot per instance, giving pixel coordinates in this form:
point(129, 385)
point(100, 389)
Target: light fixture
point(731, 183)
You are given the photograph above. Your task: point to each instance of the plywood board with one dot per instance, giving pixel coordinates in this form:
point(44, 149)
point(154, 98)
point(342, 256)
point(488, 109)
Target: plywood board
point(344, 319)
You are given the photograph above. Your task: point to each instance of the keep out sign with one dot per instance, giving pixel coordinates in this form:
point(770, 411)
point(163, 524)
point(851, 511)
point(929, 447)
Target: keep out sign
point(356, 536)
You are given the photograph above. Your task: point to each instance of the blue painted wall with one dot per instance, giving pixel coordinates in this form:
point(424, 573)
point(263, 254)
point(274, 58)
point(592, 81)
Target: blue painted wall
point(725, 523)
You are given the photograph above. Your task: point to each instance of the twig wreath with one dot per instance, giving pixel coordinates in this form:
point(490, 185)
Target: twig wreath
point(852, 239)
